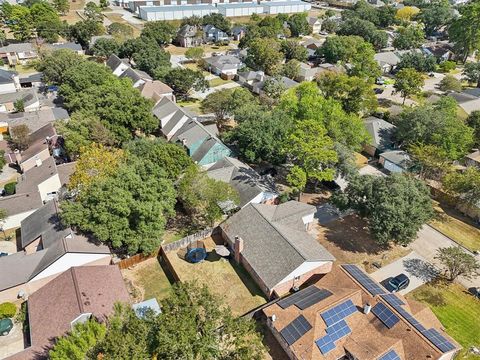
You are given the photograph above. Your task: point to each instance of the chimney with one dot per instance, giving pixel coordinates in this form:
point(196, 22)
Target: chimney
point(238, 248)
point(367, 308)
point(273, 317)
point(38, 162)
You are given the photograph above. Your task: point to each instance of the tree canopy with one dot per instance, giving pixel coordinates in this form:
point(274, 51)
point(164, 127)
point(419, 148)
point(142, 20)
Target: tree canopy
point(408, 82)
point(264, 54)
point(464, 31)
point(365, 29)
point(458, 262)
point(183, 81)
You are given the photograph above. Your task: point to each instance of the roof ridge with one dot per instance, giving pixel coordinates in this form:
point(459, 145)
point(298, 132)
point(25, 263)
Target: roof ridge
point(77, 290)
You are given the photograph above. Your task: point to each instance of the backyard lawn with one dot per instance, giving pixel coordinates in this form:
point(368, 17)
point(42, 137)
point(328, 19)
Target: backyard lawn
point(461, 231)
point(457, 310)
point(224, 278)
point(147, 280)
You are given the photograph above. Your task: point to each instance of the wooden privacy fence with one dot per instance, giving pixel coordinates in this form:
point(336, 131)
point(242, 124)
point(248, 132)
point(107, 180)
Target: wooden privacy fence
point(133, 260)
point(187, 240)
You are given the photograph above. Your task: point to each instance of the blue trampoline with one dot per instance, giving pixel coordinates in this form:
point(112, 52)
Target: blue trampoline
point(196, 255)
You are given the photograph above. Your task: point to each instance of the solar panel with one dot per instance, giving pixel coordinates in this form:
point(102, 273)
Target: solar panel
point(392, 299)
point(438, 340)
point(386, 316)
point(338, 312)
point(295, 330)
point(334, 333)
point(391, 355)
point(305, 298)
point(366, 281)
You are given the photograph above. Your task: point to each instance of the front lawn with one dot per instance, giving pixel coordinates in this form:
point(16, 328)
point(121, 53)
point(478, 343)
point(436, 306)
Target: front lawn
point(217, 82)
point(457, 310)
point(457, 228)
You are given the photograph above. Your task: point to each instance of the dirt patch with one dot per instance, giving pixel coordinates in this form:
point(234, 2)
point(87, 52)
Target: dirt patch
point(350, 241)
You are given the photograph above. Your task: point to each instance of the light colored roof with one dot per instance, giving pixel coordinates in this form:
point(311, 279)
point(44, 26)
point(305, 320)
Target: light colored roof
point(35, 120)
point(397, 157)
point(135, 75)
point(224, 62)
point(30, 179)
point(388, 57)
point(20, 203)
point(285, 3)
point(28, 96)
point(65, 45)
point(114, 61)
point(20, 47)
point(475, 156)
point(170, 8)
point(275, 240)
point(244, 5)
point(152, 89)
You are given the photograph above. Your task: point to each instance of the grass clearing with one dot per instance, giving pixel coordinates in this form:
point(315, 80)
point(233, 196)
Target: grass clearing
point(457, 310)
point(462, 232)
point(223, 277)
point(218, 81)
point(115, 17)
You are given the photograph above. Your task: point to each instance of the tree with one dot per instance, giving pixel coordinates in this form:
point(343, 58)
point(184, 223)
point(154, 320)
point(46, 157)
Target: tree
point(293, 50)
point(330, 26)
point(104, 4)
point(194, 53)
point(76, 344)
point(465, 185)
point(161, 32)
point(386, 16)
point(472, 73)
point(458, 262)
point(46, 20)
point(93, 12)
point(54, 65)
point(449, 83)
point(183, 81)
point(291, 69)
point(366, 30)
point(120, 31)
point(417, 61)
point(264, 54)
point(406, 13)
point(203, 197)
point(151, 58)
point(297, 179)
point(20, 136)
point(435, 16)
point(473, 121)
point(3, 37)
point(218, 20)
point(299, 25)
point(62, 6)
point(447, 66)
point(395, 207)
point(408, 82)
point(105, 47)
point(82, 31)
point(272, 90)
point(430, 161)
point(19, 105)
point(21, 23)
point(410, 37)
point(364, 11)
point(311, 150)
point(464, 31)
point(82, 76)
point(3, 162)
point(355, 94)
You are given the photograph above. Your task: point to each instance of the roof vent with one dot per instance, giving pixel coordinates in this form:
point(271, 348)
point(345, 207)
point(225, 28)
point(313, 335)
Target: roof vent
point(367, 308)
point(274, 318)
point(38, 162)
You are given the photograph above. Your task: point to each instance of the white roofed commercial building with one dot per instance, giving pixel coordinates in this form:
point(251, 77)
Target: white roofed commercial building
point(240, 9)
point(285, 7)
point(173, 12)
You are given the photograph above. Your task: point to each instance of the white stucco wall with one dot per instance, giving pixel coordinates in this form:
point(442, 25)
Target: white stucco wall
point(50, 185)
point(302, 269)
point(14, 221)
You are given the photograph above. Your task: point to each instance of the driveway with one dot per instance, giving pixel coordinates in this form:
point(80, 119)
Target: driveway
point(12, 343)
point(415, 266)
point(203, 95)
point(8, 247)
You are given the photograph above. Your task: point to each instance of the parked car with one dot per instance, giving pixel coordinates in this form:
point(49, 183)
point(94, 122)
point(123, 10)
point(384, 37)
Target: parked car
point(3, 254)
point(378, 91)
point(399, 282)
point(380, 81)
point(6, 326)
point(475, 291)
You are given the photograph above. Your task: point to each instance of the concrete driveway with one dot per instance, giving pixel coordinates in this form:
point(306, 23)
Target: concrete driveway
point(8, 247)
point(415, 266)
point(12, 343)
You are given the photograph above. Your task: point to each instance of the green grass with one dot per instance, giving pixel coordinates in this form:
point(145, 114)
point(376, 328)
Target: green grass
point(457, 310)
point(217, 82)
point(151, 278)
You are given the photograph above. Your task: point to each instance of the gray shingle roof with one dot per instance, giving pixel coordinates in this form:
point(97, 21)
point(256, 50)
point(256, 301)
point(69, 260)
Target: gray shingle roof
point(30, 180)
point(275, 240)
point(21, 203)
point(20, 47)
point(28, 96)
point(224, 62)
point(34, 119)
point(6, 76)
point(66, 45)
point(381, 132)
point(113, 62)
point(398, 157)
point(135, 75)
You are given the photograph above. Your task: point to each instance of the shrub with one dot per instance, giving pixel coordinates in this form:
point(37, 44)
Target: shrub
point(447, 66)
point(10, 188)
point(450, 83)
point(7, 310)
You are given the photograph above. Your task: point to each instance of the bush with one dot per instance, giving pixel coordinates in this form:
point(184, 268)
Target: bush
point(450, 83)
point(10, 188)
point(447, 66)
point(7, 310)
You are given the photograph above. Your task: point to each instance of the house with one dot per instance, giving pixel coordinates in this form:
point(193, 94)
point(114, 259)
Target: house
point(187, 36)
point(257, 87)
point(47, 250)
point(75, 47)
point(248, 78)
point(395, 161)
point(9, 81)
point(473, 159)
point(29, 97)
point(312, 45)
point(468, 101)
point(315, 23)
point(34, 119)
point(20, 53)
point(272, 243)
point(138, 77)
point(18, 207)
point(309, 73)
point(251, 187)
point(156, 90)
point(31, 80)
point(212, 34)
point(381, 134)
point(387, 61)
point(238, 32)
point(117, 65)
point(347, 315)
point(78, 294)
point(442, 51)
point(95, 38)
point(179, 126)
point(43, 178)
point(225, 66)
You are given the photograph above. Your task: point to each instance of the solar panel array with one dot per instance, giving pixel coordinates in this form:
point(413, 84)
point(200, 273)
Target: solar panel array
point(392, 299)
point(391, 355)
point(431, 334)
point(338, 312)
point(334, 333)
point(295, 330)
point(386, 316)
point(305, 298)
point(368, 283)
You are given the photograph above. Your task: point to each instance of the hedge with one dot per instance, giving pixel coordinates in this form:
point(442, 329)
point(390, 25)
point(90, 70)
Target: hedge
point(7, 310)
point(10, 188)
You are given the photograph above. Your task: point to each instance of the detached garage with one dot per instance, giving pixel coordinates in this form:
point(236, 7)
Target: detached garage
point(174, 12)
point(286, 7)
point(240, 9)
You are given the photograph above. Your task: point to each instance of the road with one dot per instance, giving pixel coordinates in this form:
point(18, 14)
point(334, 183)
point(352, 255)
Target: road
point(202, 95)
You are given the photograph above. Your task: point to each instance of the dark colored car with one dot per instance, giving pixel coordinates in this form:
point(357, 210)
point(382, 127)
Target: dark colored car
point(5, 326)
point(475, 291)
point(399, 282)
point(378, 91)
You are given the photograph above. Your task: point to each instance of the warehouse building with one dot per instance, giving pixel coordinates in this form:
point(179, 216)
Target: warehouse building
point(240, 9)
point(173, 12)
point(285, 7)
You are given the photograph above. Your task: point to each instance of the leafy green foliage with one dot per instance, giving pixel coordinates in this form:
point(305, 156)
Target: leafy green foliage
point(449, 83)
point(458, 262)
point(183, 81)
point(218, 20)
point(20, 136)
point(395, 206)
point(298, 24)
point(418, 62)
point(472, 73)
point(465, 185)
point(291, 69)
point(297, 178)
point(120, 31)
point(62, 6)
point(21, 22)
point(161, 32)
point(54, 65)
point(3, 162)
point(408, 82)
point(366, 30)
point(105, 47)
point(447, 66)
point(194, 53)
point(7, 310)
point(93, 12)
point(264, 54)
point(151, 58)
point(464, 31)
point(293, 50)
point(473, 121)
point(436, 15)
point(83, 30)
point(383, 16)
point(10, 188)
point(430, 161)
point(76, 344)
point(410, 37)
